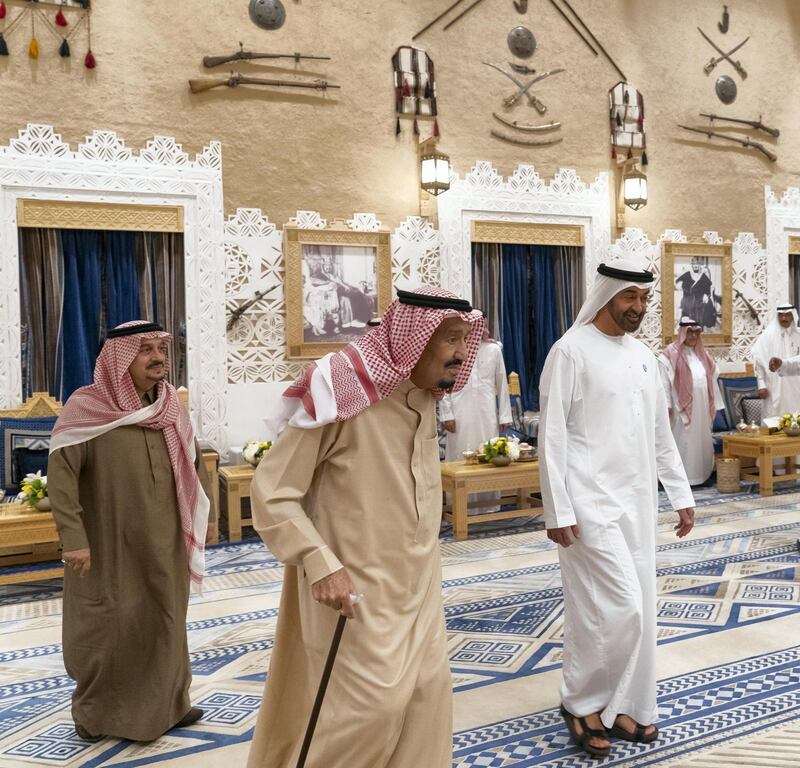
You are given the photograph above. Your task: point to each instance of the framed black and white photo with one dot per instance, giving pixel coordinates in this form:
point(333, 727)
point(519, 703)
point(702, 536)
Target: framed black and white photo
point(336, 282)
point(696, 283)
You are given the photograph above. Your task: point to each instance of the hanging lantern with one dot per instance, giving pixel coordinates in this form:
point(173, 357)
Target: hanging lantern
point(634, 189)
point(434, 169)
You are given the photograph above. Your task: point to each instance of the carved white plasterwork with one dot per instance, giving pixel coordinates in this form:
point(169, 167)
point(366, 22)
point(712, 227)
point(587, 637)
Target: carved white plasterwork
point(783, 222)
point(38, 164)
point(415, 253)
point(749, 277)
point(483, 194)
point(253, 249)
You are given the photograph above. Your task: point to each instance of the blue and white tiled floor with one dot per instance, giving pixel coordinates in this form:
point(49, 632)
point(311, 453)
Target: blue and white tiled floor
point(729, 658)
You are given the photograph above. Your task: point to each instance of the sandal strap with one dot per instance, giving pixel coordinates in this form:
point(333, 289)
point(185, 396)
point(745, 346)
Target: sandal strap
point(598, 733)
point(639, 734)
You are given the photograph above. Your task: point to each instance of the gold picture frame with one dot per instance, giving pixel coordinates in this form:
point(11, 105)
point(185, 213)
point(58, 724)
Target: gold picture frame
point(333, 279)
point(697, 279)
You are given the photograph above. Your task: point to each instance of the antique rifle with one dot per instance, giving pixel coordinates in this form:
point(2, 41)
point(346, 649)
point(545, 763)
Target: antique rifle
point(750, 307)
point(236, 78)
point(745, 141)
point(757, 124)
point(243, 55)
point(239, 311)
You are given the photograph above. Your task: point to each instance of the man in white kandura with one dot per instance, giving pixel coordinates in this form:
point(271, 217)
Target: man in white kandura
point(480, 411)
point(689, 375)
point(780, 339)
point(604, 442)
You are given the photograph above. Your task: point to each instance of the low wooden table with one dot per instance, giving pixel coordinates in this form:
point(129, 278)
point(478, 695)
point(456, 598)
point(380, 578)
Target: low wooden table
point(234, 483)
point(765, 448)
point(462, 479)
point(27, 536)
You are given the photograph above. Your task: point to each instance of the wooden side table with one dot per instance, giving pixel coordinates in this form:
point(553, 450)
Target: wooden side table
point(211, 463)
point(234, 482)
point(765, 448)
point(462, 479)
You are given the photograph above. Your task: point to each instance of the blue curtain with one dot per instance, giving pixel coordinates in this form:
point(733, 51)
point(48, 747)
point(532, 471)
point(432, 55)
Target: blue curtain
point(80, 322)
point(516, 317)
point(545, 313)
point(121, 278)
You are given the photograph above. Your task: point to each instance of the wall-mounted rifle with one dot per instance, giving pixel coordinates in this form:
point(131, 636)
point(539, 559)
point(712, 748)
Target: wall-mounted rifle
point(239, 311)
point(236, 78)
point(744, 141)
point(757, 124)
point(243, 55)
point(750, 308)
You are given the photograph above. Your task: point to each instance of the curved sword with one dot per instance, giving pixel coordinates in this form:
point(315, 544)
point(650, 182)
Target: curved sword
point(526, 142)
point(513, 79)
point(736, 65)
point(526, 126)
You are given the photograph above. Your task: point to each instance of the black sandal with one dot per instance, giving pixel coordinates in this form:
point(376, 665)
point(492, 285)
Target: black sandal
point(582, 739)
point(638, 736)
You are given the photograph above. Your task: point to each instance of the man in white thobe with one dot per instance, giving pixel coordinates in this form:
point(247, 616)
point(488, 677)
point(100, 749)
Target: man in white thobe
point(482, 409)
point(780, 339)
point(689, 375)
point(604, 442)
point(479, 412)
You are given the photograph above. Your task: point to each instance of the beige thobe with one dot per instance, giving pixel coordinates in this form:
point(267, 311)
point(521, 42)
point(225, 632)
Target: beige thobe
point(124, 629)
point(364, 494)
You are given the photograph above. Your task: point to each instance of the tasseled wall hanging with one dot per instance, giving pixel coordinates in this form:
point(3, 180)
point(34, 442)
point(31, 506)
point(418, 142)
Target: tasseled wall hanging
point(414, 88)
point(626, 118)
point(57, 27)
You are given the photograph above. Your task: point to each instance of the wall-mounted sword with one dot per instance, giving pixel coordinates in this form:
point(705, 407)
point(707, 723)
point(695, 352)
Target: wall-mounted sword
point(526, 126)
point(727, 56)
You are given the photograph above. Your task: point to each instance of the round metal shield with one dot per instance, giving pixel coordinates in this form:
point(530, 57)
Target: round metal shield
point(521, 42)
point(267, 14)
point(726, 89)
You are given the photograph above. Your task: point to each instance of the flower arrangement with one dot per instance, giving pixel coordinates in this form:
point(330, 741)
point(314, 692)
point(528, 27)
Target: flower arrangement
point(254, 450)
point(501, 446)
point(34, 489)
point(790, 421)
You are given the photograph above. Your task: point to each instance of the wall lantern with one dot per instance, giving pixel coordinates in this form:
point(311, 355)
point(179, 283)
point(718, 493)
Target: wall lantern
point(634, 189)
point(434, 168)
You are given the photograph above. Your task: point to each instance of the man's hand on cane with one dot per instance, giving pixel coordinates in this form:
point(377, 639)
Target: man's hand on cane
point(334, 591)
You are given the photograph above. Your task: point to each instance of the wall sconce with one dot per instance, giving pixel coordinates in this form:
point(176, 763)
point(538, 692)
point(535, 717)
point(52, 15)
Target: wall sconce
point(434, 168)
point(634, 189)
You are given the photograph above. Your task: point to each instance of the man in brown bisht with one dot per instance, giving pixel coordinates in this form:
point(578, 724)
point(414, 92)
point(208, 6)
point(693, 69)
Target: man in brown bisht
point(350, 499)
point(124, 483)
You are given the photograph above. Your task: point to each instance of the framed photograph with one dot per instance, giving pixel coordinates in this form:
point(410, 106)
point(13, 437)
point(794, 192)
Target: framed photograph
point(336, 281)
point(697, 282)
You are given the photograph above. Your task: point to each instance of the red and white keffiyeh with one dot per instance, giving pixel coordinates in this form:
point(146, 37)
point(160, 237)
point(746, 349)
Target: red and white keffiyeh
point(676, 354)
point(112, 401)
point(342, 384)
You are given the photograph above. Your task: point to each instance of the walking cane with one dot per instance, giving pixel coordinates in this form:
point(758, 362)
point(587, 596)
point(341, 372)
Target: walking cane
point(323, 684)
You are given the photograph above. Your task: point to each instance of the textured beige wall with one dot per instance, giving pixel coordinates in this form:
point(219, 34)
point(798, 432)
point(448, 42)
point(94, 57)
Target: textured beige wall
point(338, 155)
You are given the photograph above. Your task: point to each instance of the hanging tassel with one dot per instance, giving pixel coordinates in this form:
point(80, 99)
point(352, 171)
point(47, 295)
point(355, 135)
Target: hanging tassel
point(644, 160)
point(64, 51)
point(428, 90)
point(89, 62)
point(613, 152)
point(630, 153)
point(416, 127)
point(3, 46)
point(33, 49)
point(625, 96)
point(2, 10)
point(436, 133)
point(618, 120)
point(61, 19)
point(406, 88)
point(397, 126)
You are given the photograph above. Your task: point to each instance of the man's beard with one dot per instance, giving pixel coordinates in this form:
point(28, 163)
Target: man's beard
point(447, 383)
point(628, 321)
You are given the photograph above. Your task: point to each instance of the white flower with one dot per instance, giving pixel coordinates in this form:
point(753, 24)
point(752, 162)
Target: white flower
point(22, 496)
point(249, 450)
point(513, 449)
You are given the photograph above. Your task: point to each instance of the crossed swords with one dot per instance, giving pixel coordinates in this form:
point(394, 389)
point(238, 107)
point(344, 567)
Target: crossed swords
point(723, 56)
point(510, 101)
